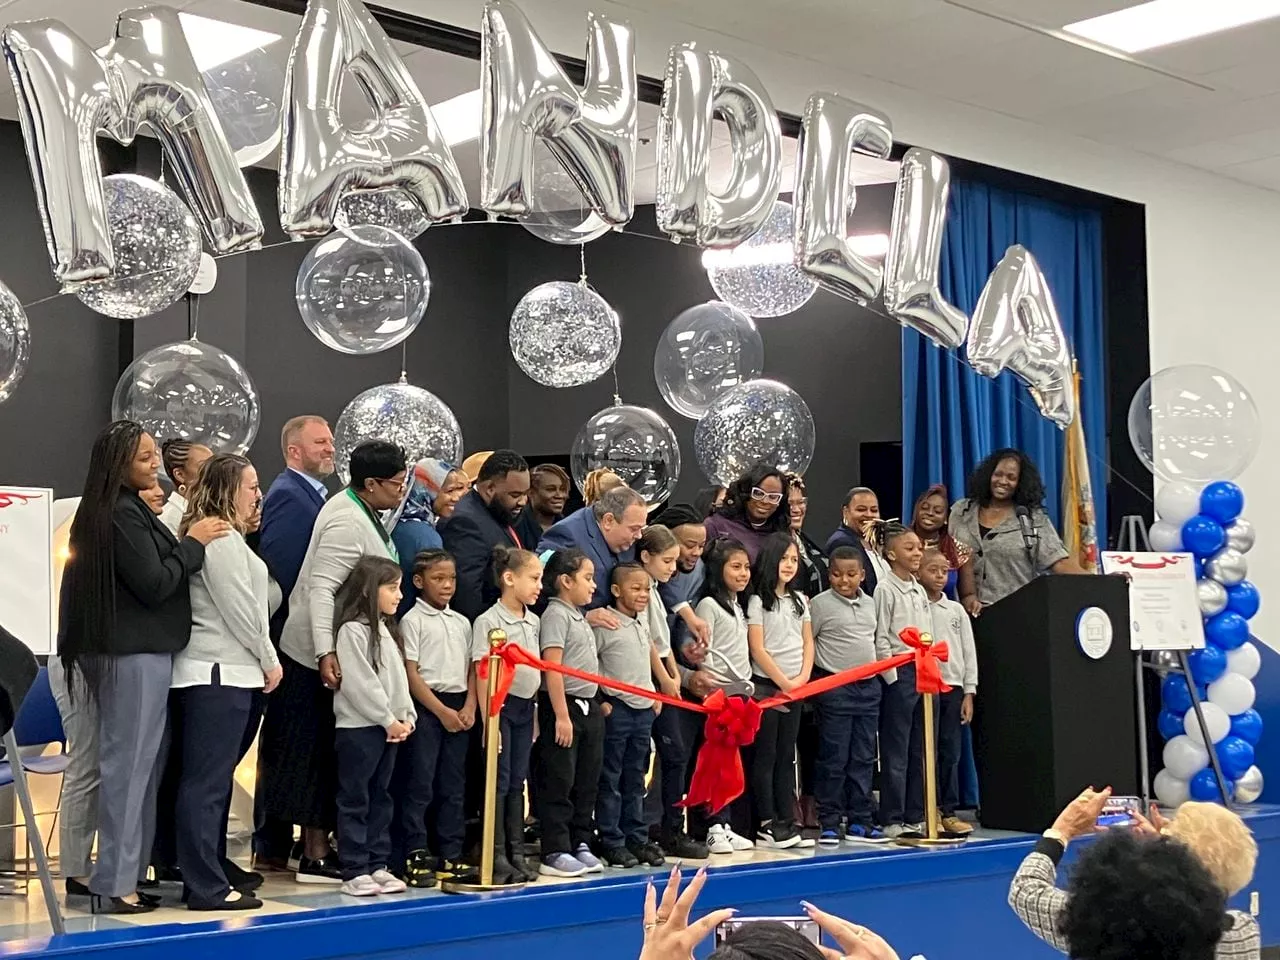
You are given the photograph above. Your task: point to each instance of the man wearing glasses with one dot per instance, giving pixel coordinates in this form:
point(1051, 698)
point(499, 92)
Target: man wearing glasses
point(861, 507)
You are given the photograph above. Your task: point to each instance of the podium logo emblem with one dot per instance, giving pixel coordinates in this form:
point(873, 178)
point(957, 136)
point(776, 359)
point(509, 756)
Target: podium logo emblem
point(1094, 632)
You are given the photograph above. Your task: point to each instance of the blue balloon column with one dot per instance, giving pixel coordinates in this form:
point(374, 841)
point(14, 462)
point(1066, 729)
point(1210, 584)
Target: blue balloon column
point(1219, 537)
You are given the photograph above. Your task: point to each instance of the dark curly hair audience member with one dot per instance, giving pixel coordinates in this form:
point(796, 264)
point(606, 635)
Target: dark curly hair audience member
point(754, 507)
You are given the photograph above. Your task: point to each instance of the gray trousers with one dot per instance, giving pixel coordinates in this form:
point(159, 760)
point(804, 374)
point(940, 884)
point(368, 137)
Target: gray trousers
point(78, 814)
point(132, 713)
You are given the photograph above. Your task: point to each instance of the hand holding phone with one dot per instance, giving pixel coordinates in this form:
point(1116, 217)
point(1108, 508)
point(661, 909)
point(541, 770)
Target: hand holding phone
point(1120, 812)
point(802, 925)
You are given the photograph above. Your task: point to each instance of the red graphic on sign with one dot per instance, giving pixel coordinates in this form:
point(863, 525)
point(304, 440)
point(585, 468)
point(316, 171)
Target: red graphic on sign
point(8, 498)
point(1168, 560)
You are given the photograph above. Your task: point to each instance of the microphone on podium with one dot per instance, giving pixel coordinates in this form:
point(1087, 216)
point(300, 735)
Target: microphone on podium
point(1028, 534)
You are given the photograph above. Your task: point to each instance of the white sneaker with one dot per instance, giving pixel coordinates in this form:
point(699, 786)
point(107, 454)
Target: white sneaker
point(894, 830)
point(718, 839)
point(806, 843)
point(361, 886)
point(388, 882)
point(739, 843)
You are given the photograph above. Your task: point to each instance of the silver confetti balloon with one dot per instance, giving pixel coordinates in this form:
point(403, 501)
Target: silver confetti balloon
point(1240, 535)
point(757, 421)
point(157, 248)
point(704, 351)
point(1212, 597)
point(636, 444)
point(245, 92)
point(564, 334)
point(1228, 567)
point(758, 276)
point(1249, 787)
point(400, 413)
point(363, 290)
point(15, 342)
point(190, 390)
point(393, 209)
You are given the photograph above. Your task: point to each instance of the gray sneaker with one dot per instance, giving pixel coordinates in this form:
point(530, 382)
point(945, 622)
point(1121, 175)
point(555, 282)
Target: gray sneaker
point(894, 830)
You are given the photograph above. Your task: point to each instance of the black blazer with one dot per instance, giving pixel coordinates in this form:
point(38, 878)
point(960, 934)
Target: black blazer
point(470, 535)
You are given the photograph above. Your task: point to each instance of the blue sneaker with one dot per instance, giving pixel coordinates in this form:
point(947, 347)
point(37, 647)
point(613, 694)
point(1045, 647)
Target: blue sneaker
point(588, 859)
point(829, 838)
point(864, 833)
point(561, 865)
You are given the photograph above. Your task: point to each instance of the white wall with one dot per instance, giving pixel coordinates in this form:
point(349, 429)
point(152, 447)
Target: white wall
point(1213, 245)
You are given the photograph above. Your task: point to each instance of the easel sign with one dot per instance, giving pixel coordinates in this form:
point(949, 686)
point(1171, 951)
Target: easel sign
point(26, 557)
point(1164, 613)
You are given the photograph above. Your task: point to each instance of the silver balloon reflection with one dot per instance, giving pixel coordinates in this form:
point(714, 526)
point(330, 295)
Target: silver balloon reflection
point(15, 342)
point(700, 86)
point(757, 421)
point(1211, 596)
point(832, 129)
point(323, 158)
point(564, 334)
point(67, 94)
point(400, 413)
point(527, 97)
point(1249, 787)
point(393, 209)
point(1240, 535)
point(1016, 327)
point(558, 210)
point(1228, 567)
point(704, 351)
point(193, 391)
point(362, 291)
point(245, 92)
point(759, 275)
point(636, 444)
point(914, 263)
point(1163, 662)
point(157, 248)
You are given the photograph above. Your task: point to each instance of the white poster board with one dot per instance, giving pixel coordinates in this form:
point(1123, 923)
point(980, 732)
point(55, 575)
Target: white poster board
point(1164, 612)
point(26, 559)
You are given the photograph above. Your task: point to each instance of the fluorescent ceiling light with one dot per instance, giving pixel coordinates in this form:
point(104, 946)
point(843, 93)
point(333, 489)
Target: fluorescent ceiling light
point(1162, 22)
point(459, 117)
point(871, 245)
point(215, 42)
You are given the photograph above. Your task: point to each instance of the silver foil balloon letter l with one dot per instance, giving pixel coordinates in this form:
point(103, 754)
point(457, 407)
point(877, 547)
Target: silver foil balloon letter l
point(591, 132)
point(322, 159)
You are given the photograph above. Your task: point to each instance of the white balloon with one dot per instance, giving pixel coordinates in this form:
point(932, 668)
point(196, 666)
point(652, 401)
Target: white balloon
point(1215, 718)
point(1170, 790)
point(1178, 502)
point(1244, 660)
point(1165, 537)
point(1233, 693)
point(1184, 757)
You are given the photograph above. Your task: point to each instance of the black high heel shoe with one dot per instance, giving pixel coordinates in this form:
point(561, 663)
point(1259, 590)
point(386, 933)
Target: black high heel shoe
point(77, 889)
point(100, 904)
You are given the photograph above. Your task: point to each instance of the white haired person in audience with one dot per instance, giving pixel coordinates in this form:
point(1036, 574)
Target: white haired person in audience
point(1217, 838)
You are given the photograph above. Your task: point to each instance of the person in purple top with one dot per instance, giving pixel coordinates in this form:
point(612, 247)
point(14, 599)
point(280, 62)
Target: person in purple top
point(755, 506)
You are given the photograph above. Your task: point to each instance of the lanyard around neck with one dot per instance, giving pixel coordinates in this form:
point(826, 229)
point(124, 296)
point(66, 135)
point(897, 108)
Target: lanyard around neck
point(382, 533)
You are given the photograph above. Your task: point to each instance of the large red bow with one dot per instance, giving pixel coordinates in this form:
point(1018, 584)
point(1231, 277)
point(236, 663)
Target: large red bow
point(718, 778)
point(927, 654)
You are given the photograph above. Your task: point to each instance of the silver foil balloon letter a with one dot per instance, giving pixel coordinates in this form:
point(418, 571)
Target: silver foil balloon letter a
point(591, 132)
point(322, 159)
point(1015, 327)
point(698, 86)
point(67, 94)
point(911, 269)
point(833, 128)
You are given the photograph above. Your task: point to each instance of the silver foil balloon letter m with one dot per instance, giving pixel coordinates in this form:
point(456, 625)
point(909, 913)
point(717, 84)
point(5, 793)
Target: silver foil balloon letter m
point(591, 132)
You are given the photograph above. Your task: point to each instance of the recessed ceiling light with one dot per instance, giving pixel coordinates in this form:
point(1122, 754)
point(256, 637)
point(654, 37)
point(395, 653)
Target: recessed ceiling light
point(1162, 22)
point(215, 42)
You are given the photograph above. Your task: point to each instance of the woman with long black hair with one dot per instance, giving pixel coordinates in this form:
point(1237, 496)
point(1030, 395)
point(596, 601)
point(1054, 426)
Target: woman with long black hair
point(126, 610)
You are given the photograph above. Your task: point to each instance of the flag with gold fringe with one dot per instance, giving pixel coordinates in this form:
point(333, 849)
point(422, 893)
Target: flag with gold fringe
point(1079, 524)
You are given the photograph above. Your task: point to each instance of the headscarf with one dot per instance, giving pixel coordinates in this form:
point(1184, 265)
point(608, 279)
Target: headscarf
point(420, 494)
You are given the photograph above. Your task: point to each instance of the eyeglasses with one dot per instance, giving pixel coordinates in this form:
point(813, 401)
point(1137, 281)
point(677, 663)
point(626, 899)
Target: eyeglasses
point(766, 497)
point(399, 484)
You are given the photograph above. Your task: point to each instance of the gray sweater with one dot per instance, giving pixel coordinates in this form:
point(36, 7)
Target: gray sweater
point(229, 609)
point(369, 697)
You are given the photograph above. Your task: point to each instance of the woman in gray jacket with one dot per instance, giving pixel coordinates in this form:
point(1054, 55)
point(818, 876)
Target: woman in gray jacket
point(229, 657)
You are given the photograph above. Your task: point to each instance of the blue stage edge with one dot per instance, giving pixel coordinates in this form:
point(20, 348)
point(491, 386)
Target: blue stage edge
point(944, 904)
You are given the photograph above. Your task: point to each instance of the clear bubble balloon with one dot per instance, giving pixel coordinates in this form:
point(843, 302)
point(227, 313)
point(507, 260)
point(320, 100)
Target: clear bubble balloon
point(1194, 422)
point(758, 276)
point(559, 212)
point(704, 351)
point(636, 444)
point(157, 248)
point(246, 93)
point(401, 413)
point(564, 334)
point(393, 209)
point(363, 290)
point(193, 391)
point(757, 421)
point(15, 342)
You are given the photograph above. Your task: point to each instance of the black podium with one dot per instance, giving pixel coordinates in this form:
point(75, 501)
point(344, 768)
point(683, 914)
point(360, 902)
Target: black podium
point(1050, 720)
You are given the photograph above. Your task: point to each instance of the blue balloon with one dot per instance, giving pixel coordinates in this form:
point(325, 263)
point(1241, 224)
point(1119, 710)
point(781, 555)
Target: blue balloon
point(1208, 664)
point(1228, 630)
point(1222, 501)
point(1176, 695)
point(1235, 756)
point(1203, 536)
point(1244, 599)
point(1204, 786)
point(1198, 563)
point(1170, 724)
point(1247, 726)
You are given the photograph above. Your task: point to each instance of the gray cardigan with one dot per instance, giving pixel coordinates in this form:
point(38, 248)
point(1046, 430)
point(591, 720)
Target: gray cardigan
point(229, 608)
point(369, 697)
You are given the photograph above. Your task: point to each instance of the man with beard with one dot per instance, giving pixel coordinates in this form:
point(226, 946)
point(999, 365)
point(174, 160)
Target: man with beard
point(548, 493)
point(484, 518)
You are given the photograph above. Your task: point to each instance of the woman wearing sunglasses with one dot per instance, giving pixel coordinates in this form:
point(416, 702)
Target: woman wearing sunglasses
point(754, 507)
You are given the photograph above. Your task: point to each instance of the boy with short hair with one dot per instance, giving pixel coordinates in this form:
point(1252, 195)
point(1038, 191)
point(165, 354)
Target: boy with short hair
point(960, 672)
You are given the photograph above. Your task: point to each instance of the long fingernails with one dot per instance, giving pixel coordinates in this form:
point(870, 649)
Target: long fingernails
point(702, 872)
point(807, 905)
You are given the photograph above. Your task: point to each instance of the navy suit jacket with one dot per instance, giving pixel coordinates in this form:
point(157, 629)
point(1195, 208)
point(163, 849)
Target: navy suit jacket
point(289, 512)
point(846, 537)
point(470, 535)
point(581, 529)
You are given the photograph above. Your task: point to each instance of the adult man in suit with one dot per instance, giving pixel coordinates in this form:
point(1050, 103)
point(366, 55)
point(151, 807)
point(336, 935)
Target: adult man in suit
point(484, 518)
point(605, 532)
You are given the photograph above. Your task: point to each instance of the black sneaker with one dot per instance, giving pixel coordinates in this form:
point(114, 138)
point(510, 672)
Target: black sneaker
point(418, 870)
point(321, 870)
point(448, 869)
point(777, 836)
point(681, 846)
point(647, 853)
point(619, 857)
point(246, 881)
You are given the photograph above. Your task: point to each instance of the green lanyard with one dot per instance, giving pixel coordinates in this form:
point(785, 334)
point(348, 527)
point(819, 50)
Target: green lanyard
point(373, 518)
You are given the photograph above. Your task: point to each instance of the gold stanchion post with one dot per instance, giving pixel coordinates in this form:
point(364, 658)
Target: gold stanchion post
point(932, 836)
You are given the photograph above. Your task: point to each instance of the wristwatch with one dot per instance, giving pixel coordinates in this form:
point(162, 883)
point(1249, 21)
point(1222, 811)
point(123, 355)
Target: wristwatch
point(1052, 834)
